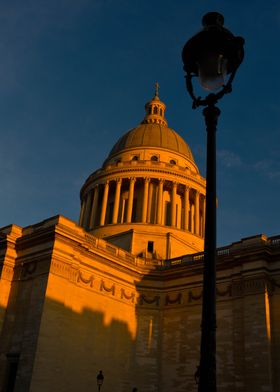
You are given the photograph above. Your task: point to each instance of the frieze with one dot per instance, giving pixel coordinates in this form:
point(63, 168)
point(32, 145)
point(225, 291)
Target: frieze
point(86, 281)
point(107, 289)
point(224, 293)
point(219, 293)
point(130, 297)
point(249, 286)
point(29, 268)
point(90, 239)
point(7, 272)
point(192, 297)
point(173, 301)
point(189, 178)
point(60, 269)
point(111, 249)
point(143, 299)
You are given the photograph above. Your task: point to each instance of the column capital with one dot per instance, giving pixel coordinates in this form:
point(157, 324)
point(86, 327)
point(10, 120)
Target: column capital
point(132, 179)
point(147, 179)
point(161, 180)
point(174, 184)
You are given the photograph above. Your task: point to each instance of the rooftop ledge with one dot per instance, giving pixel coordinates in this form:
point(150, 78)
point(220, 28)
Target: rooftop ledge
point(72, 229)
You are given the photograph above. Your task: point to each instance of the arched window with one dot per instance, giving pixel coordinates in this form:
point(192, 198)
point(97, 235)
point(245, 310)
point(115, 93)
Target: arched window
point(154, 158)
point(135, 158)
point(155, 110)
point(172, 162)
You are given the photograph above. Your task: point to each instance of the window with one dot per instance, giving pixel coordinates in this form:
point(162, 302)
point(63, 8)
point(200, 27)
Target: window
point(135, 158)
point(160, 112)
point(172, 162)
point(155, 110)
point(154, 158)
point(150, 246)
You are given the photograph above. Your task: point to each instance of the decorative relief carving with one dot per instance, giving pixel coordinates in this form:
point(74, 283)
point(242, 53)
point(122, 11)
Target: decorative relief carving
point(271, 286)
point(172, 301)
point(220, 293)
point(150, 301)
point(224, 293)
point(249, 286)
point(7, 272)
point(193, 297)
point(275, 283)
point(130, 297)
point(111, 249)
point(29, 268)
point(87, 281)
point(108, 290)
point(61, 269)
point(90, 239)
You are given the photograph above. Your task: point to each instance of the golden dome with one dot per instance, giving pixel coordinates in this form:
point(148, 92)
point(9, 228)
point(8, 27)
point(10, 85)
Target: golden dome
point(153, 132)
point(152, 135)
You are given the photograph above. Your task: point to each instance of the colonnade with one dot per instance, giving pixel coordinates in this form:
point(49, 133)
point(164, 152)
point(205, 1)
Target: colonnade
point(190, 208)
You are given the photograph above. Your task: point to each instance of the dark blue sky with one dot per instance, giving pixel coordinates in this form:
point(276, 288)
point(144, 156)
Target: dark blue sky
point(75, 75)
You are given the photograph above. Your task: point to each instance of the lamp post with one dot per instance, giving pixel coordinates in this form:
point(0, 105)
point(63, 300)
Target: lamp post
point(213, 55)
point(99, 379)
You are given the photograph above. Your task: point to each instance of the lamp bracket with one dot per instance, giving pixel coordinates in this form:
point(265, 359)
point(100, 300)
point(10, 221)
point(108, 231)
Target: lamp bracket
point(212, 98)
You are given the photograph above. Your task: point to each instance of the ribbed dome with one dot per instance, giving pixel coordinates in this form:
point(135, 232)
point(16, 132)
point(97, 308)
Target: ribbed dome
point(152, 135)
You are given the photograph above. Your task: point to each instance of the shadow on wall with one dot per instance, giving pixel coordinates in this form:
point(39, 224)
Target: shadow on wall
point(45, 345)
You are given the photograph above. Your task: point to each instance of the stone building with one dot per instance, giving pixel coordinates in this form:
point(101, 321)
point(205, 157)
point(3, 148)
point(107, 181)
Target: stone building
point(121, 290)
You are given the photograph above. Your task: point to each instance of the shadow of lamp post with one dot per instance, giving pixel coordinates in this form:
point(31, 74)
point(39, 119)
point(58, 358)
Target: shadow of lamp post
point(213, 56)
point(99, 379)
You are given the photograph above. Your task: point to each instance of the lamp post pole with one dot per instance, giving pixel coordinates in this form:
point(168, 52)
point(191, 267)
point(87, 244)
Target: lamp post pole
point(99, 380)
point(213, 55)
point(207, 369)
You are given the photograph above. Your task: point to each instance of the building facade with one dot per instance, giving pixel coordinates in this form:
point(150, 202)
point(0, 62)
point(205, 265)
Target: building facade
point(121, 290)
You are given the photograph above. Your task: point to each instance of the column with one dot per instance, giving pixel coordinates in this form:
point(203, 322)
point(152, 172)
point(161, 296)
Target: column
point(197, 197)
point(159, 201)
point(192, 218)
point(94, 207)
point(203, 216)
point(117, 200)
point(173, 203)
point(150, 203)
point(82, 213)
point(186, 207)
point(104, 203)
point(145, 200)
point(130, 200)
point(87, 210)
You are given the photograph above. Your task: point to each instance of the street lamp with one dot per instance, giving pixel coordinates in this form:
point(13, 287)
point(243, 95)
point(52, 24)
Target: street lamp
point(99, 379)
point(213, 55)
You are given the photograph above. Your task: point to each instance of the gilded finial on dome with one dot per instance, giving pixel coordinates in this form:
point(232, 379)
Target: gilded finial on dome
point(155, 110)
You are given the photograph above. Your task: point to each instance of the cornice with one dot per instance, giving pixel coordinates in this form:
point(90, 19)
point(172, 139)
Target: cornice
point(121, 173)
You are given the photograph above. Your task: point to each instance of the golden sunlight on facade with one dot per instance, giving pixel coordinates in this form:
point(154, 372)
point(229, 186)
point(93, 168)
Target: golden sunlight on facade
point(121, 291)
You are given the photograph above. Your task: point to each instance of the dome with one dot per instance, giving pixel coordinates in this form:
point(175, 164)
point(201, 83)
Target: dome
point(152, 135)
point(153, 132)
point(148, 197)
